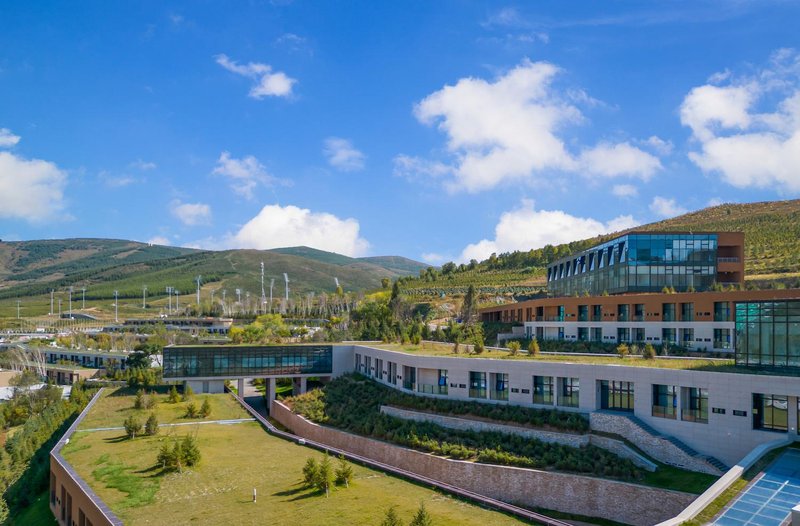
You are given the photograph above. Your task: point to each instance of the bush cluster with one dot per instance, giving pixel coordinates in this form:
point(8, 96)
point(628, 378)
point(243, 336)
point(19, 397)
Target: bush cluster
point(352, 403)
point(183, 452)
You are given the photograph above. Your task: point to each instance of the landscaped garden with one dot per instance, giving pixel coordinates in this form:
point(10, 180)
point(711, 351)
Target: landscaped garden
point(234, 460)
point(352, 403)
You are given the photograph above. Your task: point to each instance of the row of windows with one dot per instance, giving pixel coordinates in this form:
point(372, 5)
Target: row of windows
point(226, 362)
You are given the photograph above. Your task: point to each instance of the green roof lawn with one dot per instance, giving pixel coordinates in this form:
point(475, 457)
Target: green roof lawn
point(235, 459)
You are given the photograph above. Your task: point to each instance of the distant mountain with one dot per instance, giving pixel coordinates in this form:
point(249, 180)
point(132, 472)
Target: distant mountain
point(33, 268)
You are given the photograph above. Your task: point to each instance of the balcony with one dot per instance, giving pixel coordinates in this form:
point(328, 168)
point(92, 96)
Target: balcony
point(432, 389)
point(477, 393)
point(694, 415)
point(499, 395)
point(664, 411)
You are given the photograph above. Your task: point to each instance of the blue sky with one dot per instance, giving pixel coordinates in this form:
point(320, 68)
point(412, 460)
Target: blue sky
point(434, 130)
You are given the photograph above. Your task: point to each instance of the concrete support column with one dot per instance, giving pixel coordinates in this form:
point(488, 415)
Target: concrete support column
point(303, 385)
point(240, 386)
point(271, 386)
point(793, 423)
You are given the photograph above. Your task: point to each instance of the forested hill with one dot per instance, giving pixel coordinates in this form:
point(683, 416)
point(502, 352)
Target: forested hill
point(772, 250)
point(33, 268)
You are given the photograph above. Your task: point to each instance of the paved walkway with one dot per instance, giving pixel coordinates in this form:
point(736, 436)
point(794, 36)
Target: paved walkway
point(770, 499)
point(203, 422)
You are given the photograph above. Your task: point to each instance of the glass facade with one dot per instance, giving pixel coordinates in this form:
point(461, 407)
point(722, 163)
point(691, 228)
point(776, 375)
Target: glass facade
point(499, 386)
point(638, 262)
point(477, 384)
point(543, 390)
point(569, 393)
point(771, 412)
point(768, 333)
point(665, 401)
point(616, 396)
point(248, 361)
point(695, 405)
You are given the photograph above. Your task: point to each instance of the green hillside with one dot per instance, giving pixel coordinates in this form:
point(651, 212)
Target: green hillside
point(772, 252)
point(29, 270)
point(397, 264)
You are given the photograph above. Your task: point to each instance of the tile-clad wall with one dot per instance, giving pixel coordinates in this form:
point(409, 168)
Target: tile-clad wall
point(726, 437)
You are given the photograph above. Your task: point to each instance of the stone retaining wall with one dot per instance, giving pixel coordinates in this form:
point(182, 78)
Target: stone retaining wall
point(659, 448)
point(567, 439)
point(617, 501)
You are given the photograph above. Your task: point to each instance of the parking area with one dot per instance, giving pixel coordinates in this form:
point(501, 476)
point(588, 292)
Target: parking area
point(770, 499)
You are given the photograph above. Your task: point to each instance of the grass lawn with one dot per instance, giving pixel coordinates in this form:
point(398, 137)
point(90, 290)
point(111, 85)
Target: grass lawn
point(116, 405)
point(429, 349)
point(37, 513)
point(236, 459)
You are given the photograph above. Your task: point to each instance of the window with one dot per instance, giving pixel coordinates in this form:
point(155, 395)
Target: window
point(583, 334)
point(687, 311)
point(770, 412)
point(569, 394)
point(687, 337)
point(722, 338)
point(695, 405)
point(739, 413)
point(392, 373)
point(638, 335)
point(722, 311)
point(379, 368)
point(718, 410)
point(597, 334)
point(477, 384)
point(409, 378)
point(638, 312)
point(668, 336)
point(368, 365)
point(543, 390)
point(668, 312)
point(597, 313)
point(616, 396)
point(623, 312)
point(665, 401)
point(583, 313)
point(768, 333)
point(500, 386)
point(623, 334)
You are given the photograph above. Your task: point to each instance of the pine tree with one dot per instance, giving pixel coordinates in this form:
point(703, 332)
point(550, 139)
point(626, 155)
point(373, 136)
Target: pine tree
point(344, 473)
point(391, 518)
point(173, 396)
point(325, 476)
point(151, 427)
point(190, 453)
point(133, 426)
point(139, 402)
point(422, 518)
point(165, 457)
point(191, 410)
point(188, 394)
point(205, 409)
point(310, 471)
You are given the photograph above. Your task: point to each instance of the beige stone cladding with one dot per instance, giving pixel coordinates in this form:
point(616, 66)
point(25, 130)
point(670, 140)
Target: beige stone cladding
point(617, 501)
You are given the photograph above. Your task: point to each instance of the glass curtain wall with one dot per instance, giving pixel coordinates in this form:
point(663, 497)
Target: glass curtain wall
point(768, 333)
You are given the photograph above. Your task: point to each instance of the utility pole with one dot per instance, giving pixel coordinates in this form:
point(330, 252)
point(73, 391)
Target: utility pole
point(18, 302)
point(224, 306)
point(169, 307)
point(70, 303)
point(59, 308)
point(271, 284)
point(83, 304)
point(177, 301)
point(263, 295)
point(51, 301)
point(198, 279)
point(116, 306)
point(144, 296)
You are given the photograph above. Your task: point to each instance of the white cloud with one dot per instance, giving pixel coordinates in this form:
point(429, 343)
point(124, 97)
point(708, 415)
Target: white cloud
point(658, 144)
point(664, 207)
point(421, 170)
point(614, 160)
point(143, 165)
point(159, 240)
point(268, 83)
point(508, 130)
point(8, 139)
point(342, 155)
point(283, 226)
point(746, 143)
point(507, 16)
point(433, 258)
point(624, 190)
point(244, 174)
point(32, 190)
point(191, 214)
point(526, 228)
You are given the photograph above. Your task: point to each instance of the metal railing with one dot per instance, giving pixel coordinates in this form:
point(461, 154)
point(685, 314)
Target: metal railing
point(432, 389)
point(536, 518)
